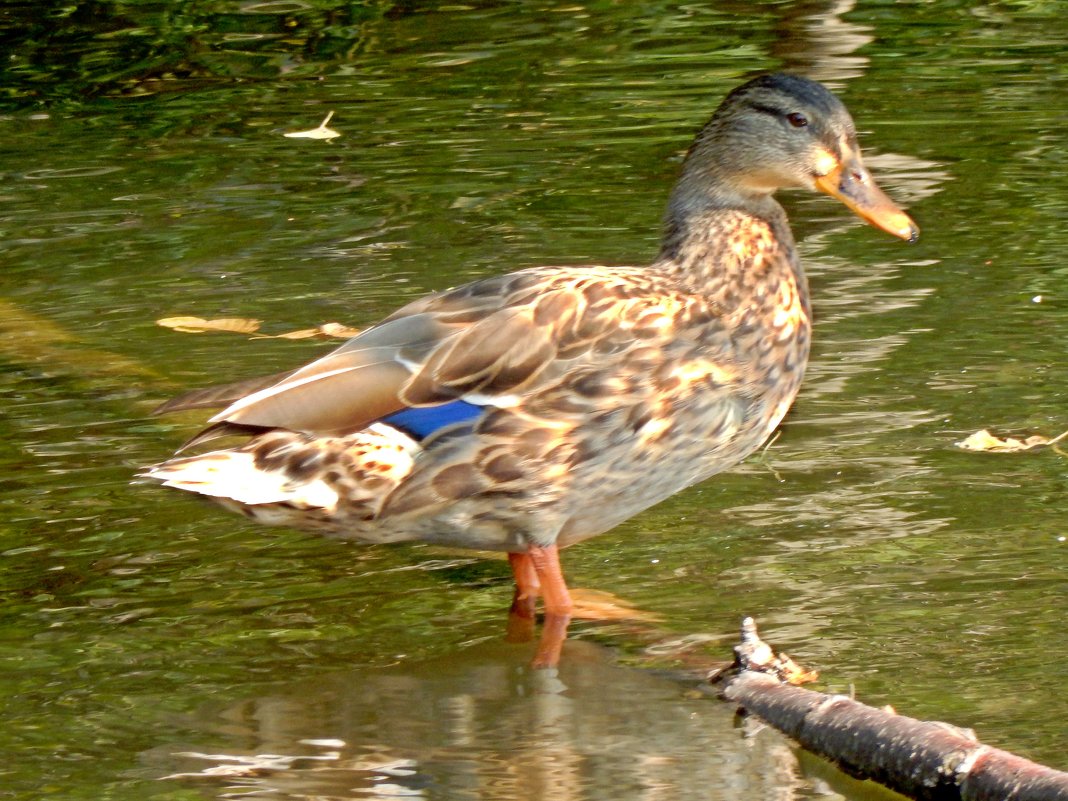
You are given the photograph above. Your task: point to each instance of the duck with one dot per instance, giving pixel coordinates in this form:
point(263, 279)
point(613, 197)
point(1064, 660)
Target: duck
point(529, 411)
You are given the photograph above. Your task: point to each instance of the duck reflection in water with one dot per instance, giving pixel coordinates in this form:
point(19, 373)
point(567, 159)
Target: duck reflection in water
point(478, 725)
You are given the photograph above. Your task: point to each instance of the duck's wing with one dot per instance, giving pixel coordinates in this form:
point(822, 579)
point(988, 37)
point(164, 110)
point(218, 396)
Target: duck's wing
point(484, 343)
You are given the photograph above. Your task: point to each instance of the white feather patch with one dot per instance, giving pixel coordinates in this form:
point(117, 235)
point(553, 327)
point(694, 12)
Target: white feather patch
point(233, 474)
point(500, 401)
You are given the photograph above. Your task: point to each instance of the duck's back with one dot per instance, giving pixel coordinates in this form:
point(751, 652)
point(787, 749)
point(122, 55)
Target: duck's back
point(546, 405)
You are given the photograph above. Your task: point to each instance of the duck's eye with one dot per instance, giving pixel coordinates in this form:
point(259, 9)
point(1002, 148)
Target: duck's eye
point(797, 119)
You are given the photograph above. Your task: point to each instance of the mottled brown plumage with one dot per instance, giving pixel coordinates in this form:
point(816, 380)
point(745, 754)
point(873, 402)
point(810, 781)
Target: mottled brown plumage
point(570, 398)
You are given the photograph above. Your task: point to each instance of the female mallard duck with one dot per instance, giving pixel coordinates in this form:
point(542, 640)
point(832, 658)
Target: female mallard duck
point(527, 412)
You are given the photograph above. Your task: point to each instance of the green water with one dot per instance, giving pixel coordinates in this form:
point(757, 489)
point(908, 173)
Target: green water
point(145, 175)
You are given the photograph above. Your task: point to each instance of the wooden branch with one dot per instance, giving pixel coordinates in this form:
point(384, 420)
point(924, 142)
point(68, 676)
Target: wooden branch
point(927, 761)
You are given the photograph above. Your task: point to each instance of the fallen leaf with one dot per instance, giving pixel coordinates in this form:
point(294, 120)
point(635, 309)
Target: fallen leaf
point(333, 330)
point(198, 325)
point(599, 605)
point(243, 325)
point(338, 331)
point(793, 673)
point(988, 443)
point(304, 333)
point(322, 132)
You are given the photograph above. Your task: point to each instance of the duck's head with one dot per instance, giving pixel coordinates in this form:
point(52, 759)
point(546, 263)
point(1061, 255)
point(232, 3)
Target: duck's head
point(780, 131)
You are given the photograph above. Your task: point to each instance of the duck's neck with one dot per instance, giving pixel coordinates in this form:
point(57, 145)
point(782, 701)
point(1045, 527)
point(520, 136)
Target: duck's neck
point(724, 244)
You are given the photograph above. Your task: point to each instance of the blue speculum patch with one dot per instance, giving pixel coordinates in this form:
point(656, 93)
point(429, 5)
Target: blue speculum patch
point(421, 422)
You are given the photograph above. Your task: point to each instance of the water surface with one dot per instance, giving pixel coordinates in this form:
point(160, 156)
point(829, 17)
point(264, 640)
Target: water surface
point(146, 176)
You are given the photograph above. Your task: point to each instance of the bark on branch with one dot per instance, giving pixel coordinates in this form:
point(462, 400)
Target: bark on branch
point(924, 760)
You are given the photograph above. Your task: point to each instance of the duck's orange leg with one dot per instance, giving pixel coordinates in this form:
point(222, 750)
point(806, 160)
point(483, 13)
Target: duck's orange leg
point(546, 562)
point(538, 572)
point(525, 600)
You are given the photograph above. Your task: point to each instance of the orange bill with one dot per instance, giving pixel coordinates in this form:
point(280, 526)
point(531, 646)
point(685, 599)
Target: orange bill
point(852, 184)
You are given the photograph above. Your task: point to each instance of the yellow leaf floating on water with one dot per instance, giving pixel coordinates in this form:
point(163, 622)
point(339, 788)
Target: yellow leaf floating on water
point(599, 605)
point(322, 132)
point(304, 333)
point(243, 325)
point(338, 331)
point(198, 325)
point(334, 330)
point(987, 442)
